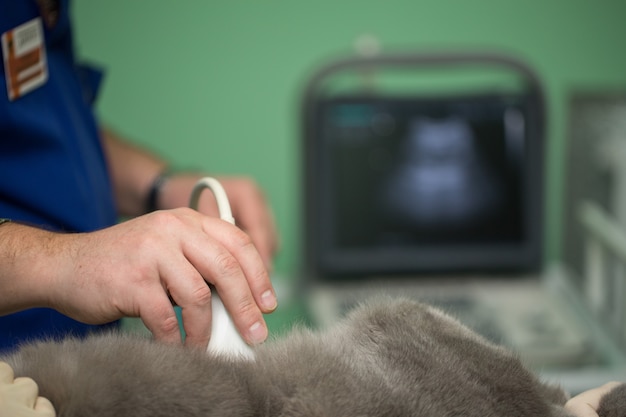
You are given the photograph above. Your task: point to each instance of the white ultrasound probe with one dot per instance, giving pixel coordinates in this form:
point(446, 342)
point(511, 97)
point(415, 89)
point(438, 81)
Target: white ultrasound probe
point(225, 339)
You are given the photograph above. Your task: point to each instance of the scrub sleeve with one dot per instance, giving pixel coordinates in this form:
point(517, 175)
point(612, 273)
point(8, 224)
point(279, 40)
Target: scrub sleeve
point(52, 168)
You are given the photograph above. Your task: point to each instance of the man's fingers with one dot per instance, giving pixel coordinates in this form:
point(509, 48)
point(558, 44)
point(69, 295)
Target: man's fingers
point(245, 256)
point(227, 266)
point(189, 290)
point(158, 315)
point(265, 242)
point(254, 270)
point(253, 214)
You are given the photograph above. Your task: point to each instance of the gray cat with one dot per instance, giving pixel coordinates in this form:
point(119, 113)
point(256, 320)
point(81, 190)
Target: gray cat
point(387, 358)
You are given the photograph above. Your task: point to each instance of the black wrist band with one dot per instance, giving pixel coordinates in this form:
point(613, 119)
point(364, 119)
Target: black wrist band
point(155, 190)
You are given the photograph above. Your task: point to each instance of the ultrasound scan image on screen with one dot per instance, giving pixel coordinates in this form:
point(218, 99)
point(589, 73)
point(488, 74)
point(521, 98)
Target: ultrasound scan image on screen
point(422, 173)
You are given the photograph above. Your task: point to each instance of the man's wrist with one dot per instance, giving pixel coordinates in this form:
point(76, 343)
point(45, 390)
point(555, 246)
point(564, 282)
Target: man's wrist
point(152, 199)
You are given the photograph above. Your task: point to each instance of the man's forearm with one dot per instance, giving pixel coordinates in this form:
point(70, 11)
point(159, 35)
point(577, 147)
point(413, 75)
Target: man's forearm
point(133, 170)
point(27, 266)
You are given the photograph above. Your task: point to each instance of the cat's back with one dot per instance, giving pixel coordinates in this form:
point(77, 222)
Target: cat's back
point(387, 358)
point(403, 358)
point(126, 375)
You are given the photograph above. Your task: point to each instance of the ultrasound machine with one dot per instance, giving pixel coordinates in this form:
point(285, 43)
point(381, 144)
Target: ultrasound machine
point(424, 177)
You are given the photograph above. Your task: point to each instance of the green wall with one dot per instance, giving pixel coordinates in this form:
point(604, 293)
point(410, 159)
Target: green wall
point(215, 84)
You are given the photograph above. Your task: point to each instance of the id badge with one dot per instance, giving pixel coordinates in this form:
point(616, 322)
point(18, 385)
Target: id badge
point(24, 54)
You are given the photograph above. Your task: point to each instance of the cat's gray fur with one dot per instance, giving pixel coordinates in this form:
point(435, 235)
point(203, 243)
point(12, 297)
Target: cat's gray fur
point(387, 358)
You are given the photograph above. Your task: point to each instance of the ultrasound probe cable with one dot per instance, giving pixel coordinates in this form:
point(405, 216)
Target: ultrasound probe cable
point(225, 339)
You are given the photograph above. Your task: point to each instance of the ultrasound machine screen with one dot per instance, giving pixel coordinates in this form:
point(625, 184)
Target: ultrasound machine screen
point(423, 184)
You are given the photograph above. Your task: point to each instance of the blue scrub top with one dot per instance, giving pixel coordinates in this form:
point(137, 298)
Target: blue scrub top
point(52, 168)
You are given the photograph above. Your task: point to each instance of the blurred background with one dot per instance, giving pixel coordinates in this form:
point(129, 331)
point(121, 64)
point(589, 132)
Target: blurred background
point(216, 85)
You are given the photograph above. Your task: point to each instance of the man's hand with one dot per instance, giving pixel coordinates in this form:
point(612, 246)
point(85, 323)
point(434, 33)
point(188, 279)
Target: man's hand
point(138, 268)
point(250, 210)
